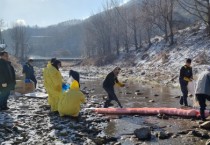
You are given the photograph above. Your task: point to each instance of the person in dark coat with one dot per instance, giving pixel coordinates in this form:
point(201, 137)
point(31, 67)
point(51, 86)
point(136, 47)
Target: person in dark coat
point(108, 86)
point(186, 76)
point(29, 72)
point(203, 91)
point(7, 79)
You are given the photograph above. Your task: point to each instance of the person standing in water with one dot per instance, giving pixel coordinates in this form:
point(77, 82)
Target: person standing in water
point(186, 76)
point(203, 91)
point(108, 86)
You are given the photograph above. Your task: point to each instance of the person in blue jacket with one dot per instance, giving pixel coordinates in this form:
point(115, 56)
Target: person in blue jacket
point(29, 72)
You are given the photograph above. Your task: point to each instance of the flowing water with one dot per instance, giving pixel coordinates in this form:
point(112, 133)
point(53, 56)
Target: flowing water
point(162, 96)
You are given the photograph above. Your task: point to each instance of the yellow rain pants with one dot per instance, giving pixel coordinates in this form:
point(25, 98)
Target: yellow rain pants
point(53, 85)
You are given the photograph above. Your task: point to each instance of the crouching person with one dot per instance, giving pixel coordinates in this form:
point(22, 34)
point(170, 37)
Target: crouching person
point(69, 104)
point(203, 91)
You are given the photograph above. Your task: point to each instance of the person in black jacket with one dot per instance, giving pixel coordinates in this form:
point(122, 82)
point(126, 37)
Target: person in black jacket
point(108, 86)
point(186, 76)
point(28, 70)
point(7, 79)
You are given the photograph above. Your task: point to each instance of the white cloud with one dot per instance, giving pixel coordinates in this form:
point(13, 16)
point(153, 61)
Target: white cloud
point(20, 22)
point(125, 1)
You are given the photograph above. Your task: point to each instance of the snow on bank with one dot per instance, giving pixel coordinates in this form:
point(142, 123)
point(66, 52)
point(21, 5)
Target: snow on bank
point(161, 63)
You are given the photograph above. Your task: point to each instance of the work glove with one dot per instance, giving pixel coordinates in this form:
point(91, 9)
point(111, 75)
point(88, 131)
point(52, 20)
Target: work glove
point(187, 79)
point(121, 84)
point(4, 85)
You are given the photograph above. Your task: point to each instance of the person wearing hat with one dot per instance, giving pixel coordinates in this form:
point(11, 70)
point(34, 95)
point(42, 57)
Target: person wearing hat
point(186, 75)
point(203, 91)
point(28, 71)
point(108, 85)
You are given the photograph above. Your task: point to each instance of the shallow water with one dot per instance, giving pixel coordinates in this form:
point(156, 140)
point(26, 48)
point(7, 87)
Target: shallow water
point(163, 97)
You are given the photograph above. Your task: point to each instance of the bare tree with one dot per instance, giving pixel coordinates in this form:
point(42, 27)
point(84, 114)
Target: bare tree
point(1, 26)
point(20, 38)
point(198, 8)
point(147, 21)
point(134, 22)
point(117, 25)
point(160, 13)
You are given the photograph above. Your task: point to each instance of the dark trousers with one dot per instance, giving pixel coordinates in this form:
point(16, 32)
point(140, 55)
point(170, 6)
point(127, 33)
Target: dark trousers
point(111, 96)
point(4, 95)
point(183, 99)
point(34, 80)
point(202, 102)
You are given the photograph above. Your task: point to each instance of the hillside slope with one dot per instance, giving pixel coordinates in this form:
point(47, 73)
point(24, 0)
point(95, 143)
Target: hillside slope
point(161, 63)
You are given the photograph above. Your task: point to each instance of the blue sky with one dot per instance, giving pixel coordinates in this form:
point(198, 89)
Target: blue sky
point(47, 12)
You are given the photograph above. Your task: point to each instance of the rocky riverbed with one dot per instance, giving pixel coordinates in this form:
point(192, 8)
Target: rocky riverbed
point(29, 120)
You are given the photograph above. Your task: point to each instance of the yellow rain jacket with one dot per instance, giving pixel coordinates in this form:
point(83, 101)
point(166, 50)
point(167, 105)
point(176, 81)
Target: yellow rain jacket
point(45, 71)
point(70, 101)
point(53, 85)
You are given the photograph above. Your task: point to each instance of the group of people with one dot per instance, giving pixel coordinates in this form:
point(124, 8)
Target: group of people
point(202, 89)
point(68, 102)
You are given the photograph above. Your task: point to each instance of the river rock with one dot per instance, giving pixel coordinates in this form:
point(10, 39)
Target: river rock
point(151, 101)
point(143, 133)
point(163, 135)
point(143, 73)
point(117, 143)
point(183, 132)
point(205, 125)
point(199, 133)
point(99, 140)
point(162, 116)
point(7, 143)
point(138, 92)
point(63, 132)
point(208, 142)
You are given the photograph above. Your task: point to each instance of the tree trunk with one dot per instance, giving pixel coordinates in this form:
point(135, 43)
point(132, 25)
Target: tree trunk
point(208, 26)
point(118, 47)
point(166, 30)
point(140, 39)
point(135, 38)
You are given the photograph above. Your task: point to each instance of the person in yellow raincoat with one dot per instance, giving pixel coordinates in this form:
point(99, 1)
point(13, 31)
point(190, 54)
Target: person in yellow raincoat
point(69, 104)
point(45, 71)
point(53, 84)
